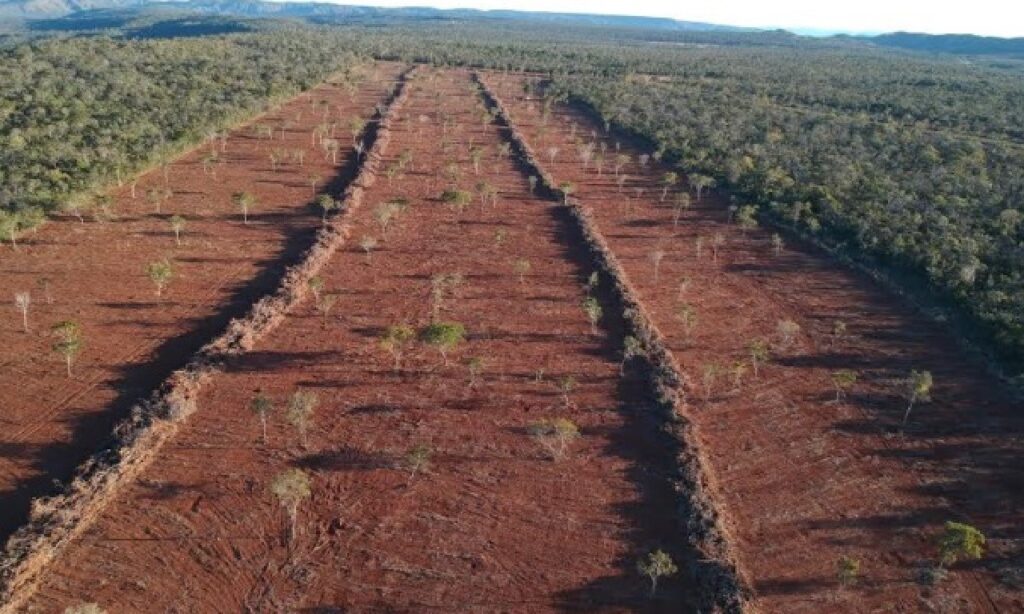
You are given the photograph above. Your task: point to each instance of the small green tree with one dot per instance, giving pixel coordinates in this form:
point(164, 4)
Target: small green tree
point(656, 565)
point(567, 189)
point(177, 223)
point(847, 570)
point(592, 309)
point(395, 340)
point(301, 406)
point(160, 273)
point(69, 341)
point(418, 459)
point(759, 353)
point(458, 200)
point(917, 387)
point(631, 348)
point(522, 268)
point(327, 205)
point(368, 244)
point(668, 181)
point(291, 487)
point(842, 381)
point(262, 406)
point(555, 435)
point(244, 201)
point(443, 336)
point(960, 541)
point(746, 217)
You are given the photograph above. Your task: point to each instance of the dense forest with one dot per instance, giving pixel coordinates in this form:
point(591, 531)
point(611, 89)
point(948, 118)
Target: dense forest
point(80, 113)
point(911, 164)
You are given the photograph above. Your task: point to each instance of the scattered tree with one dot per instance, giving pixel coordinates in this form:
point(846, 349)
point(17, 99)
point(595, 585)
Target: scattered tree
point(960, 541)
point(301, 406)
point(842, 381)
point(759, 354)
point(656, 257)
point(368, 244)
point(262, 405)
point(326, 204)
point(592, 309)
point(244, 201)
point(474, 365)
point(160, 273)
point(22, 301)
point(69, 341)
point(917, 387)
point(847, 570)
point(668, 181)
point(395, 340)
point(177, 223)
point(631, 348)
point(443, 336)
point(787, 331)
point(656, 565)
point(325, 302)
point(522, 268)
point(418, 459)
point(555, 435)
point(291, 487)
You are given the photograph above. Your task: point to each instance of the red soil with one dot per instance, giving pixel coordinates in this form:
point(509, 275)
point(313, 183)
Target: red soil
point(95, 273)
point(494, 524)
point(803, 480)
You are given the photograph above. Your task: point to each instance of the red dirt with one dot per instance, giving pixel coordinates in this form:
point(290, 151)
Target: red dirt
point(494, 524)
point(132, 339)
point(802, 480)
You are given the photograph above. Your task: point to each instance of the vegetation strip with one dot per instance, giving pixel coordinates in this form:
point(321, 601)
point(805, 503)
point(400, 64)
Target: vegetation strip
point(717, 573)
point(59, 519)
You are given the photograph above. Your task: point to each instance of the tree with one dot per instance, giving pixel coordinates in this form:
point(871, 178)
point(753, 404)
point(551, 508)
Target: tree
point(368, 244)
point(777, 244)
point(842, 381)
point(555, 435)
point(395, 339)
point(475, 365)
point(160, 273)
point(69, 341)
point(313, 181)
point(326, 204)
point(687, 316)
point(443, 336)
point(681, 204)
point(291, 487)
point(656, 257)
point(458, 200)
point(847, 570)
point(324, 304)
point(759, 354)
point(631, 348)
point(701, 183)
point(532, 180)
point(442, 285)
point(384, 214)
point(22, 300)
point(668, 181)
point(592, 309)
point(709, 375)
point(177, 223)
point(566, 385)
point(917, 387)
point(476, 155)
point(316, 286)
point(960, 541)
point(717, 241)
point(244, 201)
point(656, 565)
point(746, 217)
point(262, 405)
point(301, 406)
point(522, 268)
point(787, 331)
point(84, 608)
point(417, 459)
point(552, 154)
point(567, 189)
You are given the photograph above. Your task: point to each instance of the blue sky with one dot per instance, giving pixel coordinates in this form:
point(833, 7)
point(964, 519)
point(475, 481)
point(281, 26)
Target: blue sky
point(988, 17)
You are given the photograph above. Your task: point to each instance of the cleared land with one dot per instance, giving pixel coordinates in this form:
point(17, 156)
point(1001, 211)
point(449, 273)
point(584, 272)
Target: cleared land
point(93, 272)
point(803, 479)
point(491, 522)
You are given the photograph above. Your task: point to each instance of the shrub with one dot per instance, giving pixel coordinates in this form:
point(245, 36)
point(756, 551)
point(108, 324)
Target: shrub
point(555, 435)
point(656, 565)
point(960, 541)
point(443, 336)
point(291, 487)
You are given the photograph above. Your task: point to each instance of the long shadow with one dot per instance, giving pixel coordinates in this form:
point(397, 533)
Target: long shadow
point(91, 433)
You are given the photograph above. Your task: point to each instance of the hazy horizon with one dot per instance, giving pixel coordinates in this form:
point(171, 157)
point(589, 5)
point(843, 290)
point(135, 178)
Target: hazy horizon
point(983, 17)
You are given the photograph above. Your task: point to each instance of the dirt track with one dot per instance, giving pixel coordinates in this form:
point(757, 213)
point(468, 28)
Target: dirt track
point(803, 479)
point(95, 275)
point(493, 523)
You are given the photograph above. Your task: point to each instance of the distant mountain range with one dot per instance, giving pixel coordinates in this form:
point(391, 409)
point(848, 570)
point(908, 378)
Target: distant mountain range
point(320, 12)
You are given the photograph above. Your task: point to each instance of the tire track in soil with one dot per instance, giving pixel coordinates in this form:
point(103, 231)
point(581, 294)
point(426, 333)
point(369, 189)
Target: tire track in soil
point(804, 480)
point(132, 342)
point(493, 523)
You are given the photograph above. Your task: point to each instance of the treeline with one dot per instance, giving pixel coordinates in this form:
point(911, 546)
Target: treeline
point(912, 165)
point(81, 113)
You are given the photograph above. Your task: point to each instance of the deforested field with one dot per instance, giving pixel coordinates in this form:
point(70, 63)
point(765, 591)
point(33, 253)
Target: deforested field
point(432, 340)
point(94, 266)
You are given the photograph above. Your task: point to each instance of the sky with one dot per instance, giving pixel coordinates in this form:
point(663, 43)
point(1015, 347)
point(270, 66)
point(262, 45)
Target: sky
point(986, 17)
